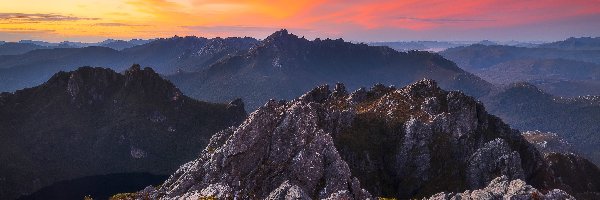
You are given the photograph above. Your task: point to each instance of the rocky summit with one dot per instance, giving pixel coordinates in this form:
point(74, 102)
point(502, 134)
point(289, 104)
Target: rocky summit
point(410, 142)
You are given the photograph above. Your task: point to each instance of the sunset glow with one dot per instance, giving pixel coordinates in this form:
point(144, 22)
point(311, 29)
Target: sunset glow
point(363, 20)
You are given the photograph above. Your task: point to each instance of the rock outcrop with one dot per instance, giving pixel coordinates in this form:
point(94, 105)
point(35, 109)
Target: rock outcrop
point(282, 151)
point(503, 188)
point(411, 142)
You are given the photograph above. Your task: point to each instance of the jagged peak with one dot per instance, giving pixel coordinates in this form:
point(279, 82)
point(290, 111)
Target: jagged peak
point(279, 33)
point(63, 76)
point(423, 87)
point(339, 90)
point(136, 70)
point(282, 36)
point(134, 67)
point(318, 94)
point(429, 83)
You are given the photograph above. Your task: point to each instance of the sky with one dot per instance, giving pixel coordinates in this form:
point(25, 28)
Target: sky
point(354, 20)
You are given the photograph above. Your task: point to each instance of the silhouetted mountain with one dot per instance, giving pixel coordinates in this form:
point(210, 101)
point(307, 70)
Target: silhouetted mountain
point(524, 106)
point(95, 121)
point(583, 43)
point(405, 143)
point(165, 55)
point(284, 65)
point(13, 48)
point(96, 187)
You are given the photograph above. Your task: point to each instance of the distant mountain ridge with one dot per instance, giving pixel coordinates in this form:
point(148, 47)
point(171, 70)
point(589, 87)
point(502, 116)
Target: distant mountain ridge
point(560, 71)
point(13, 48)
point(582, 43)
point(479, 56)
point(167, 55)
point(556, 76)
point(95, 121)
point(24, 46)
point(283, 65)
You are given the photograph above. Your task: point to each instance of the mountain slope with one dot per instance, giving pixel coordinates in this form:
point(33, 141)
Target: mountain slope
point(95, 121)
point(405, 143)
point(284, 65)
point(583, 43)
point(479, 56)
point(563, 72)
point(556, 76)
point(526, 107)
point(14, 48)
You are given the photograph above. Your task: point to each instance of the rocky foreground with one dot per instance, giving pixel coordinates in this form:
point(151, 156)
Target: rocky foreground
point(413, 142)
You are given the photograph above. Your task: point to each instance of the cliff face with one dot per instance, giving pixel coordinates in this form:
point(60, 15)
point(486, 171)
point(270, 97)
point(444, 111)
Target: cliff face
point(95, 121)
point(411, 142)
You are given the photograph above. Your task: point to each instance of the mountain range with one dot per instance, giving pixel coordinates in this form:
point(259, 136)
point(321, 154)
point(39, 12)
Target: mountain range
point(284, 65)
point(94, 121)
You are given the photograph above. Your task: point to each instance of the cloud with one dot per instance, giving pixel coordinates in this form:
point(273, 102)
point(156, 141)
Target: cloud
point(40, 17)
point(24, 29)
point(118, 24)
point(446, 20)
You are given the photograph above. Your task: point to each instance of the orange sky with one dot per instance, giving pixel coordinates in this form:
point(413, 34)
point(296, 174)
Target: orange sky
point(361, 20)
